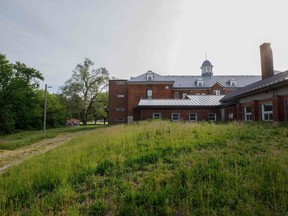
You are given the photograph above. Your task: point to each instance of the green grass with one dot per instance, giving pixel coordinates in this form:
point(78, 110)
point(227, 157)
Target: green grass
point(156, 168)
point(14, 141)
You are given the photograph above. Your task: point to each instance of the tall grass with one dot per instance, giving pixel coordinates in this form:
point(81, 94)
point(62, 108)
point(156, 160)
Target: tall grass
point(156, 168)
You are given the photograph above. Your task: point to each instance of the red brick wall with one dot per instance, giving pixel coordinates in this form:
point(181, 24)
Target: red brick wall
point(116, 88)
point(137, 92)
point(202, 114)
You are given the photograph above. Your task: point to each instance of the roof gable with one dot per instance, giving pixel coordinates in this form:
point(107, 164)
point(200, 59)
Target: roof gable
point(257, 86)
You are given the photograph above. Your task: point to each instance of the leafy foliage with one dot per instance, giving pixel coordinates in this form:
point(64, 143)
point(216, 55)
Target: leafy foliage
point(18, 104)
point(83, 89)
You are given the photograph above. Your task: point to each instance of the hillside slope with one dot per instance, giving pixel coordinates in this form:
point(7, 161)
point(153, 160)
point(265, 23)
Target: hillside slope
point(156, 168)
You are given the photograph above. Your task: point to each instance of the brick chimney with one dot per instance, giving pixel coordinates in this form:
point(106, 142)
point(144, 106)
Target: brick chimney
point(267, 68)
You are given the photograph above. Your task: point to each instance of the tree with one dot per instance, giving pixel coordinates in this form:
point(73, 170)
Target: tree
point(84, 86)
point(99, 109)
point(18, 104)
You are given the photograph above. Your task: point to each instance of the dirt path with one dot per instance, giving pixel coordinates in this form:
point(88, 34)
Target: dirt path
point(12, 157)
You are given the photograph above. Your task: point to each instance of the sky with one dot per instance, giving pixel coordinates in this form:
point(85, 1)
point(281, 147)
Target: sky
point(130, 37)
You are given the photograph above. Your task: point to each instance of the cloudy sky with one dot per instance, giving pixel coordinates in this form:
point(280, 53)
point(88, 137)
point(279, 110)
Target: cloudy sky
point(129, 37)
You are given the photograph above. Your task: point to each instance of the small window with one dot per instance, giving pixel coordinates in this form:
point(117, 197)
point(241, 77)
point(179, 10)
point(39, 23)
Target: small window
point(202, 93)
point(149, 94)
point(199, 83)
point(192, 117)
point(149, 75)
point(120, 82)
point(267, 112)
point(119, 119)
point(233, 83)
point(231, 116)
point(216, 92)
point(212, 117)
point(156, 115)
point(176, 95)
point(120, 96)
point(175, 117)
point(247, 113)
point(166, 87)
point(120, 109)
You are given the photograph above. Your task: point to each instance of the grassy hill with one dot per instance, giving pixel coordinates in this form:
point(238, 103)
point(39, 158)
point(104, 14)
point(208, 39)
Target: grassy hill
point(156, 168)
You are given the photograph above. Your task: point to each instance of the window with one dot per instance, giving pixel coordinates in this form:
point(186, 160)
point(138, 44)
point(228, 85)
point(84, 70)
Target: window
point(149, 75)
point(233, 83)
point(247, 113)
point(212, 117)
point(120, 82)
point(166, 87)
point(149, 94)
point(216, 92)
point(267, 112)
point(192, 117)
point(202, 93)
point(119, 119)
point(176, 95)
point(231, 116)
point(156, 115)
point(120, 96)
point(120, 109)
point(175, 117)
point(199, 83)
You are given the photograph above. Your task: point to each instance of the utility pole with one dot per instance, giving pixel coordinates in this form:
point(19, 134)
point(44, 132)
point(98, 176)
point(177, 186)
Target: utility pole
point(45, 105)
point(45, 108)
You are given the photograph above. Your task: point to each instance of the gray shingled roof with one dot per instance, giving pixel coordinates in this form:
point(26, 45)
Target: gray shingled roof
point(193, 101)
point(279, 78)
point(191, 81)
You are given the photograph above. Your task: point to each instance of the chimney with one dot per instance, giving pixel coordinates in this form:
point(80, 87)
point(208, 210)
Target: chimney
point(267, 68)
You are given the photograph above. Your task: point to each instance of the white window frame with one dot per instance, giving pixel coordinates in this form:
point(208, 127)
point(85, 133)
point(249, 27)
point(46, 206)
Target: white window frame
point(194, 119)
point(200, 83)
point(120, 82)
point(149, 93)
point(175, 116)
point(216, 92)
point(214, 117)
point(120, 96)
point(156, 115)
point(268, 114)
point(247, 115)
point(120, 109)
point(233, 83)
point(119, 119)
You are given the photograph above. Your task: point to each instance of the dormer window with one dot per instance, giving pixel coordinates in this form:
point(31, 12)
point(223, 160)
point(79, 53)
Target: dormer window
point(199, 82)
point(150, 75)
point(233, 83)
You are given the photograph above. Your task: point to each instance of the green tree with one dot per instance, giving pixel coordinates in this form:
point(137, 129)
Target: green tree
point(18, 103)
point(99, 109)
point(84, 86)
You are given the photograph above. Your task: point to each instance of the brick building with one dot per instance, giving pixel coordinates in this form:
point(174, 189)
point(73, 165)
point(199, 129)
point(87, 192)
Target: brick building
point(201, 98)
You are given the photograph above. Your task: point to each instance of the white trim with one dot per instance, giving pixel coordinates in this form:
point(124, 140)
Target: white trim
point(173, 115)
point(267, 115)
point(155, 115)
point(194, 120)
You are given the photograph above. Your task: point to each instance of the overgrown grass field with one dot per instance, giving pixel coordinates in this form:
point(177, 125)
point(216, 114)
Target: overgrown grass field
point(156, 168)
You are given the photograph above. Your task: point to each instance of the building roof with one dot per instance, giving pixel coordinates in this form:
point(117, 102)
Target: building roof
point(206, 63)
point(190, 82)
point(261, 85)
point(192, 101)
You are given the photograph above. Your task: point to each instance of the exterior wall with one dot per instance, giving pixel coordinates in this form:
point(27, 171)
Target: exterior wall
point(206, 91)
point(117, 89)
point(137, 92)
point(277, 97)
point(202, 114)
